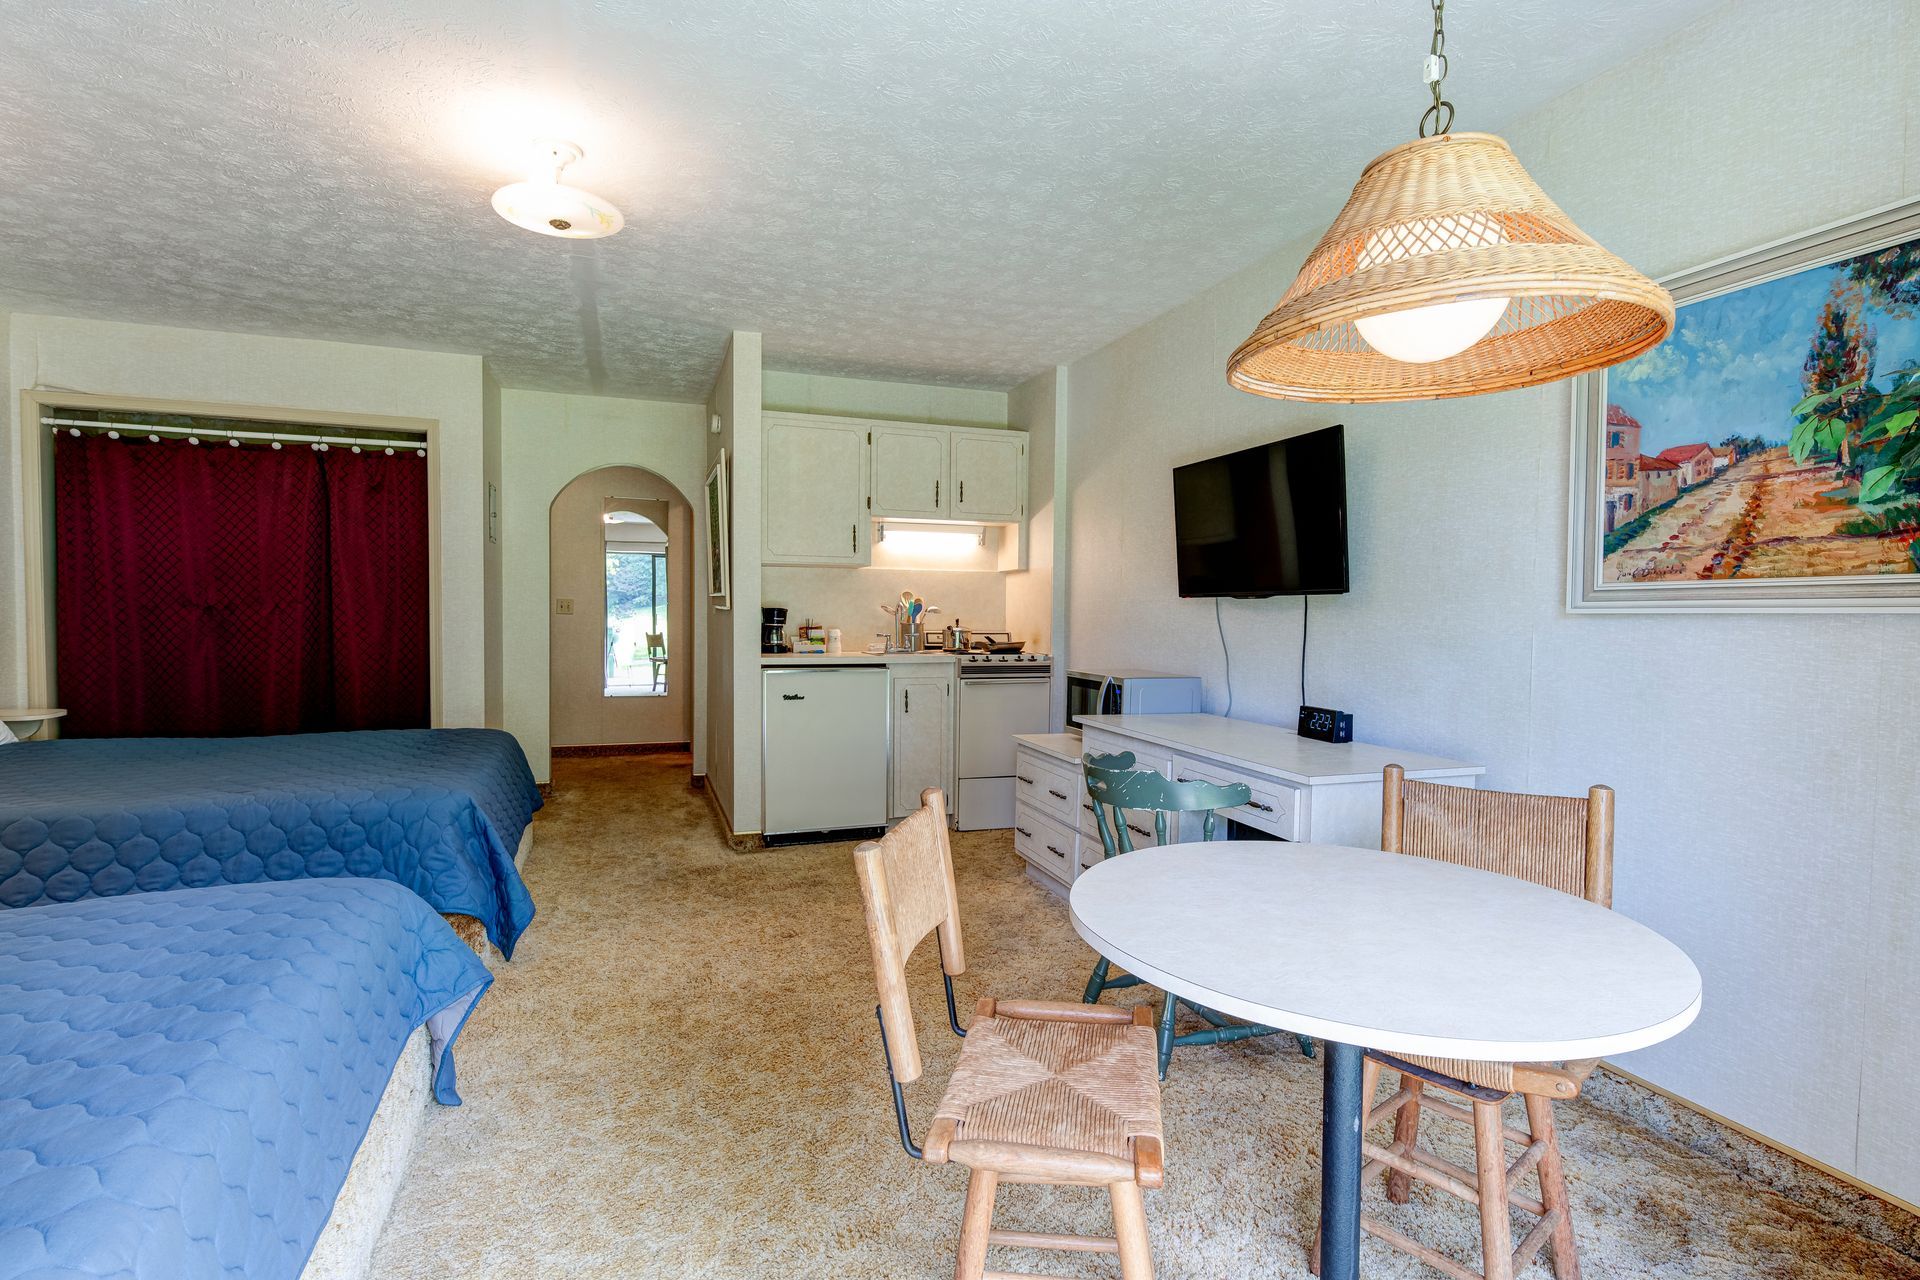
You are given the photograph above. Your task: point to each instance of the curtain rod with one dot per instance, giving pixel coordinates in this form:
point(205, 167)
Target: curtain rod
point(117, 429)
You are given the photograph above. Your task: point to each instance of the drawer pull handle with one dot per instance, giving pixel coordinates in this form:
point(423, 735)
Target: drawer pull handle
point(1087, 805)
point(1058, 794)
point(1255, 804)
point(1023, 831)
point(1055, 852)
point(1187, 780)
point(1024, 778)
point(1139, 831)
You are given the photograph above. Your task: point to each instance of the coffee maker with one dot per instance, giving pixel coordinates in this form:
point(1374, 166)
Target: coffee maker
point(773, 631)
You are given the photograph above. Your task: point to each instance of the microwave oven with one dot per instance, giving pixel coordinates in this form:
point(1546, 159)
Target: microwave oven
point(1129, 693)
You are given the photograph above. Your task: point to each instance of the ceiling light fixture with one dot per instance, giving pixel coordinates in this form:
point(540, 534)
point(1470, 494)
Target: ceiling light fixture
point(545, 204)
point(1448, 273)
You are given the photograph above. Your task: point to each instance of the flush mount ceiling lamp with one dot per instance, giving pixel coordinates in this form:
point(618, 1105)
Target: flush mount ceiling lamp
point(545, 204)
point(1448, 273)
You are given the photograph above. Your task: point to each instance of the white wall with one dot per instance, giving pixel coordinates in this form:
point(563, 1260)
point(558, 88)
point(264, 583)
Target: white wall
point(252, 372)
point(900, 401)
point(733, 642)
point(580, 712)
point(546, 441)
point(1768, 818)
point(493, 563)
point(1036, 596)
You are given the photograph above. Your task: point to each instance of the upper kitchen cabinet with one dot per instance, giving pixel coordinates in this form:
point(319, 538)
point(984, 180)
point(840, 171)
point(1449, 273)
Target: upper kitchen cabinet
point(910, 471)
point(813, 490)
point(989, 475)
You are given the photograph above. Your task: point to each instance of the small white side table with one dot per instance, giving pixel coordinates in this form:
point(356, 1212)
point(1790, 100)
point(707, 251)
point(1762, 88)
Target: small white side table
point(34, 718)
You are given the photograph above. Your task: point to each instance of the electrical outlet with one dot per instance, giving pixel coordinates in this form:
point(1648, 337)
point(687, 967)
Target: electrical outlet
point(563, 606)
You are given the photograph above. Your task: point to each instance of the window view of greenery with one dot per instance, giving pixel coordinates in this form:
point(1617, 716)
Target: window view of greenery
point(636, 623)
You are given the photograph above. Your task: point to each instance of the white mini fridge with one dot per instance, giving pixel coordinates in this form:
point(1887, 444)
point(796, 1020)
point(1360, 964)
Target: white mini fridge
point(825, 751)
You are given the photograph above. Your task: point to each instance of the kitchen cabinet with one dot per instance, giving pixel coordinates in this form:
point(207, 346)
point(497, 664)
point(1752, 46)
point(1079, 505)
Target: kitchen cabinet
point(910, 471)
point(922, 733)
point(813, 491)
point(989, 475)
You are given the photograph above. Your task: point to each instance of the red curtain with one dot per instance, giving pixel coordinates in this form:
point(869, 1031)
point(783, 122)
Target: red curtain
point(202, 590)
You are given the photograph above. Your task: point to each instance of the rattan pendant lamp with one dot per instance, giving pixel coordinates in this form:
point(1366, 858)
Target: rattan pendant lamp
point(1449, 273)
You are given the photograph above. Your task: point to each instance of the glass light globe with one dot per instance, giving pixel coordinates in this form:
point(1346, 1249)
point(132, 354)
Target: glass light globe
point(1422, 335)
point(555, 209)
point(549, 206)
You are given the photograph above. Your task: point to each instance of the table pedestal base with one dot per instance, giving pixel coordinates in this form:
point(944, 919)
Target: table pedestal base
point(1340, 1111)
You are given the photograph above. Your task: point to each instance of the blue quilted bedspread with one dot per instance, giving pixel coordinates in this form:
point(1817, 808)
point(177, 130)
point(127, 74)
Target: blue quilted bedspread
point(185, 1077)
point(438, 810)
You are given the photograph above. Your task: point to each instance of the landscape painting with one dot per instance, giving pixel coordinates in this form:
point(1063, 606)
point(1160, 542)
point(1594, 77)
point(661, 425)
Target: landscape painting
point(1774, 437)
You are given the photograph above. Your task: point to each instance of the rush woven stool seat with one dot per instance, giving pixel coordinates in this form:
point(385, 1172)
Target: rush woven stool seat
point(1043, 1091)
point(1564, 843)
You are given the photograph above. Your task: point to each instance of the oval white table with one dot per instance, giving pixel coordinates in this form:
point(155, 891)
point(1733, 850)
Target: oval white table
point(1318, 939)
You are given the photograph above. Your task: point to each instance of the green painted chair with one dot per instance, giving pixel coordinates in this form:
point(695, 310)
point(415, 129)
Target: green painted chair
point(1115, 785)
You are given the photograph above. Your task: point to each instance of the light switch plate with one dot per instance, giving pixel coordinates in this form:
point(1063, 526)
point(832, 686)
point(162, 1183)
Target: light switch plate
point(563, 606)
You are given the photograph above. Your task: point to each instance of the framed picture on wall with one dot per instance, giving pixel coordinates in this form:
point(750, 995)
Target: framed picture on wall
point(719, 556)
point(1767, 455)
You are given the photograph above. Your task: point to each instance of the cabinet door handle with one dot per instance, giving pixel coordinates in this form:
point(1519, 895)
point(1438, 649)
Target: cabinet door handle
point(1255, 804)
point(1059, 795)
point(907, 695)
point(793, 697)
point(1023, 831)
point(936, 493)
point(853, 537)
point(963, 491)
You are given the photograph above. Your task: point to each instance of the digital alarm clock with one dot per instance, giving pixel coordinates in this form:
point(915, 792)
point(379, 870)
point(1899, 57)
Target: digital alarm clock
point(1326, 724)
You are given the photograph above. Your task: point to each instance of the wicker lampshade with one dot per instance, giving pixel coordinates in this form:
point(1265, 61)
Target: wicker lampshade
point(1449, 219)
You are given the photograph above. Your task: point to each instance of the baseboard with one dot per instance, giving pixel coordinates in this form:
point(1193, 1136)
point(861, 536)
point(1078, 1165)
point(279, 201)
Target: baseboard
point(621, 749)
point(1754, 1158)
point(738, 841)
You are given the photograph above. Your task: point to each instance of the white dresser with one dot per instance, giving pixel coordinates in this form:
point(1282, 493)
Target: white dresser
point(1303, 789)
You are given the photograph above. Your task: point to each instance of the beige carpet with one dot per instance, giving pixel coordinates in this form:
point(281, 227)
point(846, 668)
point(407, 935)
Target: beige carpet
point(679, 1076)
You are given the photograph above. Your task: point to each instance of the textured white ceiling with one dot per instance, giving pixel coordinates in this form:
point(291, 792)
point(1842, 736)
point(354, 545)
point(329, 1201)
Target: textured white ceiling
point(958, 193)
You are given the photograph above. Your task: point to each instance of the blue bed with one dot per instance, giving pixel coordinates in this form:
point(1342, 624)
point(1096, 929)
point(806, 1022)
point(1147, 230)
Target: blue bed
point(185, 1077)
point(438, 810)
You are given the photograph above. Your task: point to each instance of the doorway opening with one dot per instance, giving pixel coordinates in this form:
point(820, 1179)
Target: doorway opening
point(620, 624)
point(638, 619)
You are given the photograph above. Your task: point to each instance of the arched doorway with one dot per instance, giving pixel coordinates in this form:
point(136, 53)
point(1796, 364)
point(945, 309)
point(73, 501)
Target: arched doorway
point(620, 635)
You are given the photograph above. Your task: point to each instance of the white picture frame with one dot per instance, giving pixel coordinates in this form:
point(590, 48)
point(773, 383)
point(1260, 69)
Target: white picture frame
point(1588, 591)
point(719, 551)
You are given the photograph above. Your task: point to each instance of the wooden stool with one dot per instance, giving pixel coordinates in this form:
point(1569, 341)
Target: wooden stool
point(1043, 1092)
point(1562, 842)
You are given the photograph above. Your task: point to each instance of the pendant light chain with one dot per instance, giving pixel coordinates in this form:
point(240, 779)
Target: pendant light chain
point(1438, 118)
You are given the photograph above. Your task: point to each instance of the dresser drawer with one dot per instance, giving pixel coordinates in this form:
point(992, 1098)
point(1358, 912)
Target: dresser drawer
point(1140, 829)
point(1098, 742)
point(1045, 843)
point(1049, 787)
point(1274, 808)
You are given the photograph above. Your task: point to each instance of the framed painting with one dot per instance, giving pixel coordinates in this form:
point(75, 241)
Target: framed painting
point(1767, 455)
point(719, 585)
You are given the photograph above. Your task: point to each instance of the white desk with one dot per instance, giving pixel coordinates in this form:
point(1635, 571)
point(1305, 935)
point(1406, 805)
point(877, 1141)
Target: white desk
point(1303, 789)
point(1316, 939)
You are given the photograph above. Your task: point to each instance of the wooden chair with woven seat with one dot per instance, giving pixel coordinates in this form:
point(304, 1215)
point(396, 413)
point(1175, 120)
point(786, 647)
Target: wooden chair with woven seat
point(1043, 1091)
point(1115, 786)
point(1562, 842)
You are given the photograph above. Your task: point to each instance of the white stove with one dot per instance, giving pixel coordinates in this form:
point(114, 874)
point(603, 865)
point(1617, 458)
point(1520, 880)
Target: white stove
point(1001, 694)
point(976, 663)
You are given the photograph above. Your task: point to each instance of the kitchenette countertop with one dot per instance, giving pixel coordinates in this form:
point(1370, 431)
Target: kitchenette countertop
point(855, 659)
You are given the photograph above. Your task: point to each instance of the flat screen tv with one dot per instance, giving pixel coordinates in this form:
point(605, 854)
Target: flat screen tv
point(1266, 521)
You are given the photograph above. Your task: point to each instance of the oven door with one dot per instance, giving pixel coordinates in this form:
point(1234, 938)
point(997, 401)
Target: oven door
point(1091, 694)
